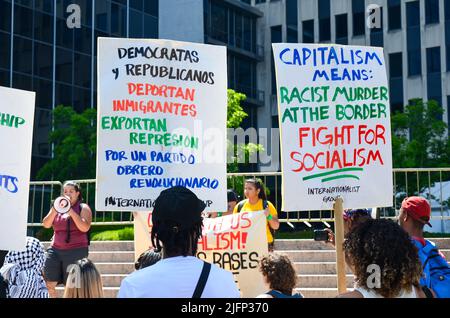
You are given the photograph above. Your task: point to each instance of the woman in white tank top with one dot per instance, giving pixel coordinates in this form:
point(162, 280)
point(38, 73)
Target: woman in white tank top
point(384, 261)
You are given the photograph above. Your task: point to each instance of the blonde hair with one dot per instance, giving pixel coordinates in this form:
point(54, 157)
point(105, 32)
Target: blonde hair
point(84, 281)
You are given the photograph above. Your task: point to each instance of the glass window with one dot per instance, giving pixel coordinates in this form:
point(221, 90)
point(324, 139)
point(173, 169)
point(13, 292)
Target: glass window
point(412, 13)
point(64, 35)
point(4, 78)
point(324, 20)
point(23, 21)
point(219, 22)
point(82, 70)
point(44, 5)
point(43, 27)
point(414, 63)
point(5, 50)
point(102, 15)
point(21, 81)
point(118, 20)
point(247, 33)
point(292, 13)
point(292, 35)
point(136, 24)
point(447, 10)
point(308, 31)
point(150, 26)
point(394, 15)
point(324, 29)
point(341, 29)
point(395, 65)
point(26, 3)
point(44, 92)
point(43, 60)
point(275, 37)
point(63, 66)
point(151, 7)
point(5, 16)
point(359, 20)
point(431, 11)
point(238, 29)
point(83, 42)
point(434, 59)
point(63, 94)
point(22, 55)
point(81, 99)
point(136, 4)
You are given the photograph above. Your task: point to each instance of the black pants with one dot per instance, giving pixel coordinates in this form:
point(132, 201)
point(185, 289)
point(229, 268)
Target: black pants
point(57, 261)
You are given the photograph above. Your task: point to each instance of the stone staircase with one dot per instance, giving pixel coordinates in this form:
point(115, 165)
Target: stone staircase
point(314, 263)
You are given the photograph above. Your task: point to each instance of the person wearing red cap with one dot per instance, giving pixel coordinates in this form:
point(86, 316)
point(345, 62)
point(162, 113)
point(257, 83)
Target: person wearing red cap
point(415, 213)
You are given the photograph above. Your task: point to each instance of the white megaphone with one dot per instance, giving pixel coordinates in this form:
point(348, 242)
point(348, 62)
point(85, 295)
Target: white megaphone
point(62, 204)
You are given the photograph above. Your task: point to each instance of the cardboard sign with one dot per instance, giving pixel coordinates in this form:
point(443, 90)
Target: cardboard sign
point(16, 135)
point(335, 126)
point(161, 122)
point(234, 242)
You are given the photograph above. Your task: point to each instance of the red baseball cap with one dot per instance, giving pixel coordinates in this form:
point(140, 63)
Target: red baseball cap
point(418, 208)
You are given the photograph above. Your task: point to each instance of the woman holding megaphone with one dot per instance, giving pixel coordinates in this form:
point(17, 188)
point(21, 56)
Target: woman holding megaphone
point(71, 220)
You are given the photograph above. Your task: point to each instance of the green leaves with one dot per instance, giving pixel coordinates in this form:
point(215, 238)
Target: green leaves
point(74, 138)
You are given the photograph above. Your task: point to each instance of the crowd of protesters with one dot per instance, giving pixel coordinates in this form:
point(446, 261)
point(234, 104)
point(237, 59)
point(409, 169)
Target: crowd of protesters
point(408, 265)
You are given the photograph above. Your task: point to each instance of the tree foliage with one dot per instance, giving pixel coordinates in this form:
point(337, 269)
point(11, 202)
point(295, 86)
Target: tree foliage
point(74, 140)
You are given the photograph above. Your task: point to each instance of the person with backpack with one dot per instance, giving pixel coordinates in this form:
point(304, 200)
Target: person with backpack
point(70, 241)
point(177, 227)
point(256, 200)
point(279, 276)
point(414, 215)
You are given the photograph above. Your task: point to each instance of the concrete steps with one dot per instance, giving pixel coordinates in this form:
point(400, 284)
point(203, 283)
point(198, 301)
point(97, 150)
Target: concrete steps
point(314, 263)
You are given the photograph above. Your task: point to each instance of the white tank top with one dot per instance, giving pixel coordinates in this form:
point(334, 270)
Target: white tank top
point(373, 294)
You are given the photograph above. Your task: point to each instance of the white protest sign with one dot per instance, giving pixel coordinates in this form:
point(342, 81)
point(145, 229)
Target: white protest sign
point(162, 108)
point(335, 126)
point(16, 135)
point(234, 242)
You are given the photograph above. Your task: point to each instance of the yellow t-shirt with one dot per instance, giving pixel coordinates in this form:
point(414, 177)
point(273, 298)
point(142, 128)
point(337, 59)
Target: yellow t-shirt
point(247, 207)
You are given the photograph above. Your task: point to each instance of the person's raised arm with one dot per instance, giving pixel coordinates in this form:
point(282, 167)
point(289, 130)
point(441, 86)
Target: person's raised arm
point(47, 222)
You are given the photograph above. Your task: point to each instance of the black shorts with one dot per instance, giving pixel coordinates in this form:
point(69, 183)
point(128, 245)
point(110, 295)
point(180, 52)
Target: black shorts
point(56, 262)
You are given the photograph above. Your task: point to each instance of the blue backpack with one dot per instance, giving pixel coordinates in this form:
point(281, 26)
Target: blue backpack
point(436, 271)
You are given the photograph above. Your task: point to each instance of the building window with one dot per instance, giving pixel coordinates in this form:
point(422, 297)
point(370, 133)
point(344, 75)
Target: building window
point(394, 15)
point(359, 20)
point(412, 14)
point(434, 74)
point(324, 21)
point(431, 11)
point(308, 31)
point(376, 34)
point(413, 38)
point(275, 37)
point(5, 50)
point(341, 29)
point(5, 16)
point(434, 59)
point(447, 33)
point(396, 81)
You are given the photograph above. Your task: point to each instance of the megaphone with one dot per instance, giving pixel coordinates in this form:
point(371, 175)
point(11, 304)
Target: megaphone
point(62, 204)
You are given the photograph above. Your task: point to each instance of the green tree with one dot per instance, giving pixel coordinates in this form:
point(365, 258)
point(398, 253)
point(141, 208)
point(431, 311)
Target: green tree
point(239, 153)
point(419, 139)
point(419, 136)
point(74, 139)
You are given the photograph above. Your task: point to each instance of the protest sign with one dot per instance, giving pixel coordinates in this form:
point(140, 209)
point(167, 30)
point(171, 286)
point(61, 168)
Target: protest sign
point(16, 135)
point(161, 122)
point(234, 242)
point(335, 126)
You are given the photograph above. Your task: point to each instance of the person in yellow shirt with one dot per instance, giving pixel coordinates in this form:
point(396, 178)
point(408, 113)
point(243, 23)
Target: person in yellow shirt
point(257, 201)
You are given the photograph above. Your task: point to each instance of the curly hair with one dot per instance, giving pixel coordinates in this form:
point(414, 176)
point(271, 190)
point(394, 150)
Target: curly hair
point(385, 243)
point(279, 272)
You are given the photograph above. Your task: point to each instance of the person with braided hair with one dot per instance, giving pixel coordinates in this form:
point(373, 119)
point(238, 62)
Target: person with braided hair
point(177, 227)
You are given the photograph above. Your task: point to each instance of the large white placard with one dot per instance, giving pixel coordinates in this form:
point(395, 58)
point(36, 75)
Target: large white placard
point(161, 122)
point(16, 135)
point(335, 126)
point(232, 242)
